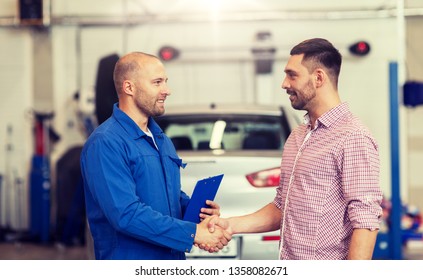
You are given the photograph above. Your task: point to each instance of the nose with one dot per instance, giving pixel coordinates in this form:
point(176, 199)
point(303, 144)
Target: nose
point(285, 84)
point(166, 90)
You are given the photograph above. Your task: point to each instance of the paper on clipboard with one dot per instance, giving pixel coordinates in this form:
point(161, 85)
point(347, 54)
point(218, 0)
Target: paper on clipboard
point(205, 189)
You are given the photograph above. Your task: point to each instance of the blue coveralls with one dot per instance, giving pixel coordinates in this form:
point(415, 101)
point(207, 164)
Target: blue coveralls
point(133, 194)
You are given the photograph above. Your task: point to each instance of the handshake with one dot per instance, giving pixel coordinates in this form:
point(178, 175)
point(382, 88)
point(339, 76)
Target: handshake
point(213, 233)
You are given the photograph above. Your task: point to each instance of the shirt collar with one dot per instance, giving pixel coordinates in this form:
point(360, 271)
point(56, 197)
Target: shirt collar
point(330, 117)
point(131, 127)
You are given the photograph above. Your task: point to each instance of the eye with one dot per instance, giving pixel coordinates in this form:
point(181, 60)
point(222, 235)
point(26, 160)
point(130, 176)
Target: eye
point(292, 75)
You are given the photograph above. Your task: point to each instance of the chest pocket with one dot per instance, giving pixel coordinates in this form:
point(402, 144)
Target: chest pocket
point(173, 167)
point(178, 161)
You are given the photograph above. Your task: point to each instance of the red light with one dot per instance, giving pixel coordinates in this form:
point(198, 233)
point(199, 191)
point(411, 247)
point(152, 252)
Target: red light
point(265, 178)
point(360, 48)
point(168, 53)
point(271, 238)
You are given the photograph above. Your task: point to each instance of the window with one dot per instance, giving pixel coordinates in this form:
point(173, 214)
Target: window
point(238, 132)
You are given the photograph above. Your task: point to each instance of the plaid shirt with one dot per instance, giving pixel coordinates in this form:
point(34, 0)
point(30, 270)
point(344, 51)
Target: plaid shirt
point(329, 186)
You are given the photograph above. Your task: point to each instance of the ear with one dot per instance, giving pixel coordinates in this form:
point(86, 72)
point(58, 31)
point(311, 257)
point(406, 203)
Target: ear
point(128, 87)
point(320, 77)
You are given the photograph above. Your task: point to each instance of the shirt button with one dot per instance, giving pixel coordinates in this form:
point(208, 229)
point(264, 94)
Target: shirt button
point(192, 235)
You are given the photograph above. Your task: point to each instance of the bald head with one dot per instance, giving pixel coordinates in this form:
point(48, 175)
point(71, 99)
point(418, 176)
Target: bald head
point(129, 66)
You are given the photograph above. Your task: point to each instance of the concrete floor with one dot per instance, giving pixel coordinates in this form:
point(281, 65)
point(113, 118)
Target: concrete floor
point(31, 251)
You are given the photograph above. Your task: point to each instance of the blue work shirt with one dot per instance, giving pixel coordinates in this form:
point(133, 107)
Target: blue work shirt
point(133, 195)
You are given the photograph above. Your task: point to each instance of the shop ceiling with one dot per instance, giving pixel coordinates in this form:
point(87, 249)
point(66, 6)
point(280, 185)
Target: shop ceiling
point(139, 12)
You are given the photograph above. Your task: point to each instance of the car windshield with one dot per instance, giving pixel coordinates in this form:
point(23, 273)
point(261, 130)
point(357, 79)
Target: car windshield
point(198, 132)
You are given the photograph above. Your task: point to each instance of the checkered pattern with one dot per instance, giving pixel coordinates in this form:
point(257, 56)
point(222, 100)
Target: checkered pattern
point(329, 186)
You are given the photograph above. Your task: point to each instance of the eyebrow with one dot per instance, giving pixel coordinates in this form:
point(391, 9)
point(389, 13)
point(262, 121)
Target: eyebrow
point(160, 79)
point(290, 71)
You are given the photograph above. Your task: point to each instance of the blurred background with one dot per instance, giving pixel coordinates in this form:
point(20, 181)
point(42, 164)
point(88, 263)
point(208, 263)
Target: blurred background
point(56, 57)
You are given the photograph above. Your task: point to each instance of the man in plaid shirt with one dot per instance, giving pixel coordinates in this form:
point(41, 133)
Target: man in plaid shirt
point(328, 203)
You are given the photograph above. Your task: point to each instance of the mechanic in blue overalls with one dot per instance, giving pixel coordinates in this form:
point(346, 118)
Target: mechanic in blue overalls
point(131, 174)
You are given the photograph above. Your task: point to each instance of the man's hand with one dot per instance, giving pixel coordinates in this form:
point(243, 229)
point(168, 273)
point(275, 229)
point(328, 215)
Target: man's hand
point(217, 222)
point(211, 241)
point(213, 210)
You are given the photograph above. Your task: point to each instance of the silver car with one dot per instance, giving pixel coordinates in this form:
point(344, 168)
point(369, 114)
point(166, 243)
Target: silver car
point(243, 142)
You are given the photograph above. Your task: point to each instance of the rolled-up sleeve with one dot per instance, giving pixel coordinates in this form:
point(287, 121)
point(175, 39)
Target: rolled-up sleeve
point(360, 181)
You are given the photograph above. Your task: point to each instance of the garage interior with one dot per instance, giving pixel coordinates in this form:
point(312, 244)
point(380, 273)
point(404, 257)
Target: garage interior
point(55, 55)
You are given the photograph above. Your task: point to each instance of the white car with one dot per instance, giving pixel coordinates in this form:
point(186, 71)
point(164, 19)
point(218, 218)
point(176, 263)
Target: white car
point(243, 142)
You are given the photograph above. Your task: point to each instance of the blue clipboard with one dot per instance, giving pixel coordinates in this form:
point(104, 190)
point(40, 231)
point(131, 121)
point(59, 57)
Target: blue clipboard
point(205, 189)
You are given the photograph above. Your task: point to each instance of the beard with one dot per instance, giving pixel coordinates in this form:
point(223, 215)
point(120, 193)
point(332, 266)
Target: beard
point(301, 98)
point(149, 108)
point(152, 110)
